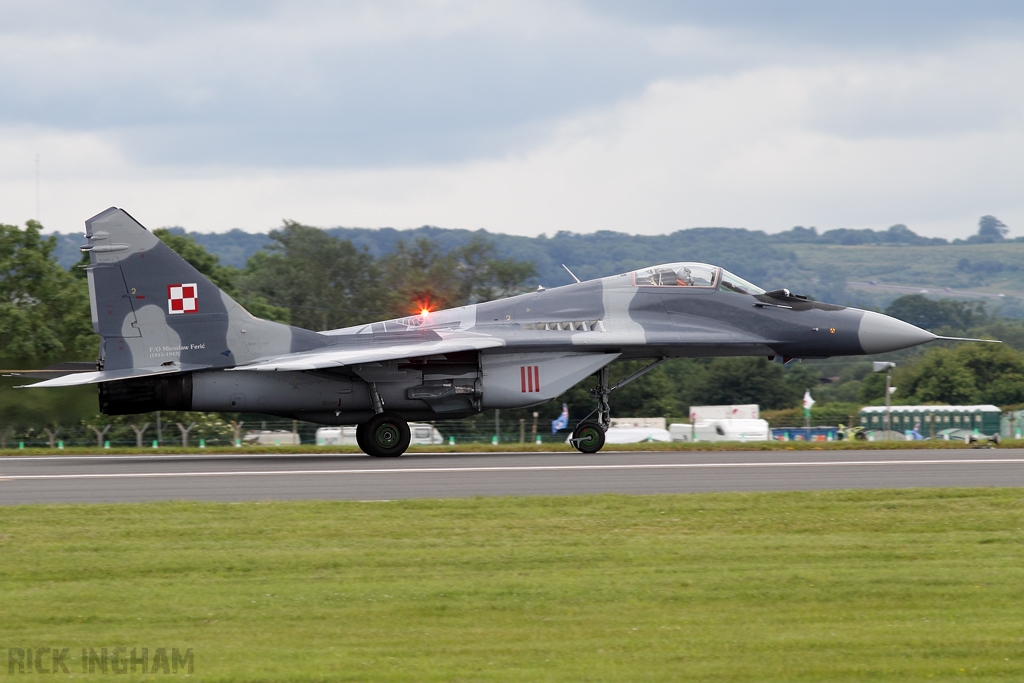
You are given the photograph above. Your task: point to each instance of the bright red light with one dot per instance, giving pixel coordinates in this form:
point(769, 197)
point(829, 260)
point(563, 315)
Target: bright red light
point(422, 306)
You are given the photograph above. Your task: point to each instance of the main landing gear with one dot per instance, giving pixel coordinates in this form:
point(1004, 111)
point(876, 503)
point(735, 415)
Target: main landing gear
point(385, 435)
point(588, 437)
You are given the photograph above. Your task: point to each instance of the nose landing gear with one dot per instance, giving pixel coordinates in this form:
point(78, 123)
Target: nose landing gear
point(588, 437)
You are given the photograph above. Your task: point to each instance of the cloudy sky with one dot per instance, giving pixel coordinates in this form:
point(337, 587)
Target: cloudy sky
point(519, 117)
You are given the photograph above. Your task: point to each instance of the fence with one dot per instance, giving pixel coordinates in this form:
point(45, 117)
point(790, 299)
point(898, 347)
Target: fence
point(211, 430)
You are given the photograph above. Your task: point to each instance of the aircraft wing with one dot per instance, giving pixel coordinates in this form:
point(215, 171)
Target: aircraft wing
point(331, 357)
point(95, 377)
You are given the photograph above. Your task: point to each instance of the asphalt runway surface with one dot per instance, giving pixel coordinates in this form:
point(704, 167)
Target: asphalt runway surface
point(245, 477)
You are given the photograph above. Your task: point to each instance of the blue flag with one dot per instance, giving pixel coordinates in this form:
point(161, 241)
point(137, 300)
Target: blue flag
point(563, 420)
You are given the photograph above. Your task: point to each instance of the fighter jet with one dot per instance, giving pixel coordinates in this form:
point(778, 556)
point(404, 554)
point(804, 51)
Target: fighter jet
point(172, 340)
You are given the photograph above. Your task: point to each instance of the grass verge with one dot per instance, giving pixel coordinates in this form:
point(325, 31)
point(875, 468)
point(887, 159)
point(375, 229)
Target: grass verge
point(529, 448)
point(924, 584)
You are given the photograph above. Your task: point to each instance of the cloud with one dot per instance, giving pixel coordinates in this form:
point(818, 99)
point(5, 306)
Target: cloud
point(319, 83)
point(521, 117)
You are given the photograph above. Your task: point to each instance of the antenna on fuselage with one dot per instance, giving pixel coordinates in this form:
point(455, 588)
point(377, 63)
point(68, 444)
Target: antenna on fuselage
point(570, 272)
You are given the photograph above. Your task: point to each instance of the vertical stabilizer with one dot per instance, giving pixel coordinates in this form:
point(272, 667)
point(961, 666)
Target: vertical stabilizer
point(154, 310)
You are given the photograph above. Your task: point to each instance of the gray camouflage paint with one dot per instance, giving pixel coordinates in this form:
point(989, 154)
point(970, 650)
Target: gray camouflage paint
point(129, 274)
point(604, 319)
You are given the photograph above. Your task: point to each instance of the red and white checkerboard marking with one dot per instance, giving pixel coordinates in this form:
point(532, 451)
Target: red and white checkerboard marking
point(182, 298)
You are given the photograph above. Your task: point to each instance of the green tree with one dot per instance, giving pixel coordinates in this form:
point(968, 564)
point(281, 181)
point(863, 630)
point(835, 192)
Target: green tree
point(944, 314)
point(44, 319)
point(747, 380)
point(427, 277)
point(224, 277)
point(652, 395)
point(941, 376)
point(421, 276)
point(872, 388)
point(325, 282)
point(990, 229)
point(997, 369)
point(485, 277)
point(44, 310)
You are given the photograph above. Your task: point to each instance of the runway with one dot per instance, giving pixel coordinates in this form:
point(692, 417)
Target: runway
point(246, 477)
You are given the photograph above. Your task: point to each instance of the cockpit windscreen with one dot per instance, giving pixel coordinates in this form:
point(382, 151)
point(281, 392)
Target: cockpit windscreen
point(731, 283)
point(677, 275)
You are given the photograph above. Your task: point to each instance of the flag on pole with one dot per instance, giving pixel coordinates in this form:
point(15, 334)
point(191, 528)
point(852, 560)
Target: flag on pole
point(808, 401)
point(562, 421)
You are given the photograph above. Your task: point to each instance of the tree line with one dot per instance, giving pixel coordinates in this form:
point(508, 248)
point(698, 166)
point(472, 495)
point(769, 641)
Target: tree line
point(790, 259)
point(309, 278)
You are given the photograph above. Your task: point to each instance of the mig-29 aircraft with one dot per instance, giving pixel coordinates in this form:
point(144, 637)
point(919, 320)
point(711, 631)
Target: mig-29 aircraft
point(172, 340)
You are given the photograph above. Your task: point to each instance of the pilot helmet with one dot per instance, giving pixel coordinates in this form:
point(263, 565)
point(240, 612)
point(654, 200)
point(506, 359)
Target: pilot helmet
point(684, 276)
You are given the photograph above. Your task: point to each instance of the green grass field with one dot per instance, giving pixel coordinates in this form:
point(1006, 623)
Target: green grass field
point(923, 584)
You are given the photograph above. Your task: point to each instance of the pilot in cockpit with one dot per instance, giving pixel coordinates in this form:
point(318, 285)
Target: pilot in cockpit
point(676, 275)
point(664, 276)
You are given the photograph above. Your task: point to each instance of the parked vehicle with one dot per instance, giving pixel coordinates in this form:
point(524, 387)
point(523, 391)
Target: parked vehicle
point(970, 438)
point(721, 430)
point(272, 438)
point(852, 433)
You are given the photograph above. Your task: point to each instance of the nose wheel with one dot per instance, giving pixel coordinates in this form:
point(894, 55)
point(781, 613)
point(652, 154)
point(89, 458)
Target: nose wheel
point(385, 435)
point(588, 437)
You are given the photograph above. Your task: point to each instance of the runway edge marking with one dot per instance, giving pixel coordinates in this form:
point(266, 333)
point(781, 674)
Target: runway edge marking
point(513, 468)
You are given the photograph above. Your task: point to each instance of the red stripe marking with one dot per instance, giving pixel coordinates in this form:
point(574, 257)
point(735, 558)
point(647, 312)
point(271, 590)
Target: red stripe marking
point(522, 376)
point(536, 375)
point(529, 378)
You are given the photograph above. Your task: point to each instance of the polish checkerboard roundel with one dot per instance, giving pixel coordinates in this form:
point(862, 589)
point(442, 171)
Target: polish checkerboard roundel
point(182, 298)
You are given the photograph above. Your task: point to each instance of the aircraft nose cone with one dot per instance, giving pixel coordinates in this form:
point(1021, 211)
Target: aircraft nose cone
point(880, 333)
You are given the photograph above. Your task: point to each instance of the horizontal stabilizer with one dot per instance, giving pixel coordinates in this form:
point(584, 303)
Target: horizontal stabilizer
point(111, 375)
point(336, 357)
point(53, 371)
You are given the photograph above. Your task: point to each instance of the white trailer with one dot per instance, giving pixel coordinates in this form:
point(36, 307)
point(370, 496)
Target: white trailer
point(420, 433)
point(272, 438)
point(742, 411)
point(336, 436)
point(633, 435)
point(741, 430)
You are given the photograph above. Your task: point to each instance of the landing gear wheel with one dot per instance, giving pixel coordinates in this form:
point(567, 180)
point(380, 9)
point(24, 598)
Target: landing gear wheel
point(386, 435)
point(588, 437)
point(361, 437)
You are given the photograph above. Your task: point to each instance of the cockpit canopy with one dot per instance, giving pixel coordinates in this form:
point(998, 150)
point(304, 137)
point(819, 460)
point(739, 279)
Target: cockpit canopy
point(688, 274)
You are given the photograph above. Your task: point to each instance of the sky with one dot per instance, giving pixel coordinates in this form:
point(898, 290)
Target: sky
point(517, 117)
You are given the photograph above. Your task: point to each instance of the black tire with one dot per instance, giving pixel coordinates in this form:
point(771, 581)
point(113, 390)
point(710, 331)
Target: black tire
point(861, 436)
point(386, 435)
point(588, 437)
point(361, 437)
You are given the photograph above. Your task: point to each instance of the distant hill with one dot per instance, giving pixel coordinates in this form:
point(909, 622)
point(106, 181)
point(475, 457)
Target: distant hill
point(855, 267)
